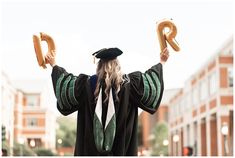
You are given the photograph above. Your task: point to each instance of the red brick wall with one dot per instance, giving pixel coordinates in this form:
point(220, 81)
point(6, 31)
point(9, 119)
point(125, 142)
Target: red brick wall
point(211, 66)
point(213, 131)
point(226, 60)
point(182, 140)
point(203, 140)
point(225, 100)
point(203, 108)
point(212, 103)
point(223, 78)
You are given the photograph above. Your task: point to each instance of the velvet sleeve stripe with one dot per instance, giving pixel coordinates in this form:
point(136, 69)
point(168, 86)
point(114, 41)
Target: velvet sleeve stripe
point(71, 91)
point(153, 91)
point(146, 89)
point(158, 86)
point(64, 96)
point(58, 87)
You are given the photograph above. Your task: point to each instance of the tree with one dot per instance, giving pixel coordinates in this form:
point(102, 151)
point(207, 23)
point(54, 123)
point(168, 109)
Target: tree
point(5, 148)
point(23, 150)
point(160, 133)
point(44, 152)
point(66, 131)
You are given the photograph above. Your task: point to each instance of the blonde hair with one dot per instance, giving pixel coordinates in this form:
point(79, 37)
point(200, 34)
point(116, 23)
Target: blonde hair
point(108, 71)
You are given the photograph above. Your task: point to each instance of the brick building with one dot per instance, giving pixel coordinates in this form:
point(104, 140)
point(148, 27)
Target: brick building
point(201, 114)
point(36, 119)
point(26, 114)
point(147, 121)
point(7, 108)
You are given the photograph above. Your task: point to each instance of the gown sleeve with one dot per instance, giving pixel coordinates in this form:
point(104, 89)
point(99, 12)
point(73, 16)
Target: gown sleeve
point(147, 88)
point(68, 89)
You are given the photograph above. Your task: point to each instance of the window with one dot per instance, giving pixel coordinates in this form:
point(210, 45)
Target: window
point(180, 107)
point(187, 102)
point(195, 96)
point(177, 109)
point(32, 100)
point(31, 122)
point(230, 77)
point(212, 83)
point(188, 135)
point(228, 52)
point(183, 104)
point(203, 90)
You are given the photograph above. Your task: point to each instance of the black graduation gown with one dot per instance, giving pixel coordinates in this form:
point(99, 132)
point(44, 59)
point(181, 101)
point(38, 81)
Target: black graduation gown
point(75, 93)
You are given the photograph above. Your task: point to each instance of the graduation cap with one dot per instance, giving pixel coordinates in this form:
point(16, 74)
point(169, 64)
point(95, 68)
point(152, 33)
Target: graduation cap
point(107, 53)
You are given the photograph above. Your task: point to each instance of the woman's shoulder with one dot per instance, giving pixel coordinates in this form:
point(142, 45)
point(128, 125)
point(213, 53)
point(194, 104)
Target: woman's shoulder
point(125, 78)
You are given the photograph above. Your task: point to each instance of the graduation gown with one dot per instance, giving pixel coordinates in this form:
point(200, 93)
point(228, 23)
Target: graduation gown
point(76, 93)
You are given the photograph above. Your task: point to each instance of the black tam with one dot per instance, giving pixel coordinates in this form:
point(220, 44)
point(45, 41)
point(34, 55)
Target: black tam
point(107, 53)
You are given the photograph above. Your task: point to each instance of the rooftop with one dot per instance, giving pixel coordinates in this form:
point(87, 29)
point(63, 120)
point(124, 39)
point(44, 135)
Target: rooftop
point(30, 86)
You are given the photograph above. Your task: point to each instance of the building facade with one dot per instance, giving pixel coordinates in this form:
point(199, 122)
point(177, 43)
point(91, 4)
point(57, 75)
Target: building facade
point(7, 109)
point(25, 113)
point(201, 114)
point(147, 122)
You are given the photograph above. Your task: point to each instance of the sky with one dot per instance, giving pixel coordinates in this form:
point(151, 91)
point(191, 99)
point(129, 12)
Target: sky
point(80, 28)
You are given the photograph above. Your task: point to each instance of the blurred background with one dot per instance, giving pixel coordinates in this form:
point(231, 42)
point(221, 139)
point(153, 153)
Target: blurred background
point(196, 113)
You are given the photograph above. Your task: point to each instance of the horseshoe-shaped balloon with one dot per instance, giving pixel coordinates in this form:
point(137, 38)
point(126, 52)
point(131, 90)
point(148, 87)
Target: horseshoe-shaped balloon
point(169, 36)
point(38, 49)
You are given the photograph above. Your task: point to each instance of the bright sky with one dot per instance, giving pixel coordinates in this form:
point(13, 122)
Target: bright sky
point(80, 28)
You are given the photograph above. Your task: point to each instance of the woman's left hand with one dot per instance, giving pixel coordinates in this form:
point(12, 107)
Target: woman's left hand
point(164, 55)
point(50, 58)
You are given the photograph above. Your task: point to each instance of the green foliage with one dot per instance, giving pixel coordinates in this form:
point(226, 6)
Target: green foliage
point(44, 152)
point(6, 147)
point(22, 150)
point(3, 133)
point(160, 133)
point(66, 131)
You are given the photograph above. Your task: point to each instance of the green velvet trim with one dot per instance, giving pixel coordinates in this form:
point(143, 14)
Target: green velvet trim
point(71, 91)
point(58, 86)
point(98, 133)
point(104, 140)
point(158, 85)
point(146, 89)
point(158, 88)
point(64, 91)
point(110, 134)
point(153, 91)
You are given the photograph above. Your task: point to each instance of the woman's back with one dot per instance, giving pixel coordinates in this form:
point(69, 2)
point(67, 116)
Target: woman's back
point(107, 117)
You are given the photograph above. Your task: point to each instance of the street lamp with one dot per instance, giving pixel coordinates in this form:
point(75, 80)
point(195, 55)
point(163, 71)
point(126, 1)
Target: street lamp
point(165, 142)
point(32, 143)
point(21, 142)
point(224, 131)
point(59, 141)
point(176, 139)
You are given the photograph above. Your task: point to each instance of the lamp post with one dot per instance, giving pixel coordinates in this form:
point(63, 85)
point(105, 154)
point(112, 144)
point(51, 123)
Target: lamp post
point(224, 131)
point(165, 143)
point(32, 143)
point(59, 141)
point(21, 142)
point(176, 139)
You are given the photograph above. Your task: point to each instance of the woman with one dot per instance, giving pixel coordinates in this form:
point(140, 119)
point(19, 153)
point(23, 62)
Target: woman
point(107, 103)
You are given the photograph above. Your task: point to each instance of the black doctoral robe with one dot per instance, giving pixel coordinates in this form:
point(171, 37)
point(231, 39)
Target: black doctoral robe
point(76, 93)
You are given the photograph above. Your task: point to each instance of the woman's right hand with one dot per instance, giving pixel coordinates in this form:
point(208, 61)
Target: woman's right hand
point(50, 58)
point(164, 55)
